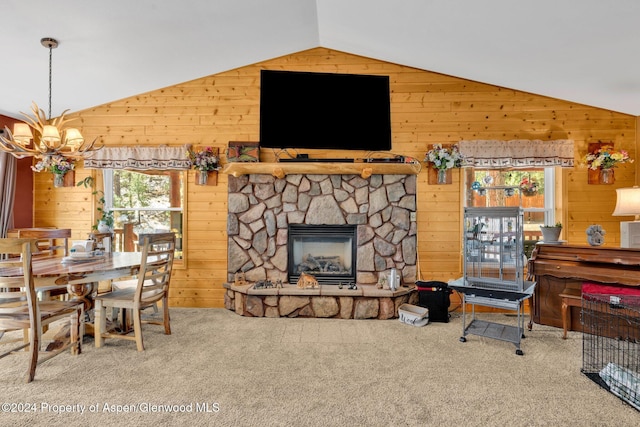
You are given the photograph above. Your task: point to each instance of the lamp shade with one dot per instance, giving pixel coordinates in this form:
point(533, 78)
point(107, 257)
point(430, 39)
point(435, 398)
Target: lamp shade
point(22, 133)
point(73, 138)
point(50, 135)
point(628, 202)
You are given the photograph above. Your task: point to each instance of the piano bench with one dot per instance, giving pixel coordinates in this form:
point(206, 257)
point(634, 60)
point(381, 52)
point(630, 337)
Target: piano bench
point(570, 298)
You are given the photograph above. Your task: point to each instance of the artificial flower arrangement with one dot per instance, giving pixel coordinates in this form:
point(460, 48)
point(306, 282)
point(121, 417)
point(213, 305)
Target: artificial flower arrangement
point(528, 186)
point(606, 157)
point(56, 164)
point(444, 158)
point(204, 160)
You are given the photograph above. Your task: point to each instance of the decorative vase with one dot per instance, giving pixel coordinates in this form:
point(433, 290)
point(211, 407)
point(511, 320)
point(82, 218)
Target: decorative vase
point(202, 177)
point(58, 180)
point(607, 176)
point(442, 176)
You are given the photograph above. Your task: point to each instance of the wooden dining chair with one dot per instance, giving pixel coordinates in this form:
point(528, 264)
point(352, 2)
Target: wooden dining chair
point(20, 310)
point(49, 240)
point(151, 286)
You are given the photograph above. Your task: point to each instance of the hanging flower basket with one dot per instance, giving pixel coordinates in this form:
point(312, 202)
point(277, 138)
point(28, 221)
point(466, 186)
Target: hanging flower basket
point(206, 164)
point(442, 159)
point(528, 187)
point(60, 167)
point(601, 161)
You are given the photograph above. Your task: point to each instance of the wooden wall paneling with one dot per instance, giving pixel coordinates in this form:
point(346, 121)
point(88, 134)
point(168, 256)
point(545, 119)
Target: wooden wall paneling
point(426, 108)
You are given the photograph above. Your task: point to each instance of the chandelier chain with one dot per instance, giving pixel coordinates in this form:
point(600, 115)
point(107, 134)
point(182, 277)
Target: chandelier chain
point(50, 76)
point(42, 137)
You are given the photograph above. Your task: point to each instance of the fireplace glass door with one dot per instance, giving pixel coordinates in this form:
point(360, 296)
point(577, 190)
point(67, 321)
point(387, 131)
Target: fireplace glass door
point(328, 252)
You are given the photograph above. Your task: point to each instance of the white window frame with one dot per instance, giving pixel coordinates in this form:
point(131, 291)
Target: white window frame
point(549, 194)
point(107, 177)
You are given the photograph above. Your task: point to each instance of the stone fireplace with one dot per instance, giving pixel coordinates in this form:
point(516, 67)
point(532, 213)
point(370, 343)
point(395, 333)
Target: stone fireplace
point(343, 229)
point(381, 209)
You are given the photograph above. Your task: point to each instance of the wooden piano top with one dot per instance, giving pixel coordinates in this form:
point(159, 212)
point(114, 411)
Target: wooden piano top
point(588, 263)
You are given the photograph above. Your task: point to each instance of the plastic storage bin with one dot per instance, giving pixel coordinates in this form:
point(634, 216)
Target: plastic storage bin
point(413, 315)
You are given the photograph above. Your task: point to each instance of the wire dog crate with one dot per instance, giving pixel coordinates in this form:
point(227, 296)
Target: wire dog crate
point(611, 344)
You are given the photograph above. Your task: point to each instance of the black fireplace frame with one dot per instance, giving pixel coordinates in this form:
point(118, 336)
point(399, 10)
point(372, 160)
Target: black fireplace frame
point(324, 231)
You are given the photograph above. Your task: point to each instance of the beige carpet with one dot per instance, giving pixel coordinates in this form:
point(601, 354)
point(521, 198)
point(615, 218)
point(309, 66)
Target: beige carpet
point(228, 370)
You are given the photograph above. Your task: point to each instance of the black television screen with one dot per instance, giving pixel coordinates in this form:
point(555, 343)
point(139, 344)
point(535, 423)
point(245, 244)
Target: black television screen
point(324, 111)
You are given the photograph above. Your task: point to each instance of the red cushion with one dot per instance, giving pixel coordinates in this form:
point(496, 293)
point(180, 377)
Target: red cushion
point(597, 288)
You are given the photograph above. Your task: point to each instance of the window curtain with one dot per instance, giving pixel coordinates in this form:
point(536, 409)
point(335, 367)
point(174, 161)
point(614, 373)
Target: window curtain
point(8, 167)
point(139, 158)
point(520, 153)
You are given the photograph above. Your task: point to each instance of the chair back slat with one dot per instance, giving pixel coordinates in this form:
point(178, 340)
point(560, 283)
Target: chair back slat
point(157, 262)
point(48, 239)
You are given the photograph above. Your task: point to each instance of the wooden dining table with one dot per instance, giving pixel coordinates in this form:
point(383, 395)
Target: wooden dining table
point(81, 276)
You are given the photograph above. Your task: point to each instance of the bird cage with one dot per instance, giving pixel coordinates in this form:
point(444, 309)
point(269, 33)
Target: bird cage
point(494, 248)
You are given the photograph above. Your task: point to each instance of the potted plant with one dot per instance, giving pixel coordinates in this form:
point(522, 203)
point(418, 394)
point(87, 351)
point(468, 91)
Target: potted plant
point(105, 222)
point(551, 233)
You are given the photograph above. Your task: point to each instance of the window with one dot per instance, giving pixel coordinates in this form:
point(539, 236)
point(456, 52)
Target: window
point(498, 185)
point(146, 201)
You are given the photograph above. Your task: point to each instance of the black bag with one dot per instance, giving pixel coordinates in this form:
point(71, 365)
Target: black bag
point(434, 295)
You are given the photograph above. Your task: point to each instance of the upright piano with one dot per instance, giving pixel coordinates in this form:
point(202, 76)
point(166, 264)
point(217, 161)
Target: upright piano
point(556, 267)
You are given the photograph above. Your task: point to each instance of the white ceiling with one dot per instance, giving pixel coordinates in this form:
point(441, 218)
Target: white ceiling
point(584, 51)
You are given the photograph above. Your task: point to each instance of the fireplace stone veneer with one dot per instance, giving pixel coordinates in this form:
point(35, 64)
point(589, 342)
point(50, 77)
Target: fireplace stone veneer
point(261, 207)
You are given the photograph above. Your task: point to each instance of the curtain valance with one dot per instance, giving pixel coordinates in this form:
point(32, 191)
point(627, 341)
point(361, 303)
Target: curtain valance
point(518, 153)
point(139, 158)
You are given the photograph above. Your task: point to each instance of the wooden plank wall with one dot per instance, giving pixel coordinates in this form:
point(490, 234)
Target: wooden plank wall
point(426, 108)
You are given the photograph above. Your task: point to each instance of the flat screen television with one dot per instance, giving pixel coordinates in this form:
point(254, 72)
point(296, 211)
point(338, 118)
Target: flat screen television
point(328, 111)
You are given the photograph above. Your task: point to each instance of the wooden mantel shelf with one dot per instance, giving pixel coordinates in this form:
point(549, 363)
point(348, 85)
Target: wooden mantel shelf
point(280, 170)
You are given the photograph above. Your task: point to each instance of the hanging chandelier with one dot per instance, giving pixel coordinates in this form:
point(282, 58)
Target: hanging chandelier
point(40, 136)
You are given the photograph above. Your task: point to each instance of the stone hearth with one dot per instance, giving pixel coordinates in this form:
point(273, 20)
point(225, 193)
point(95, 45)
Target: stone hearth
point(327, 301)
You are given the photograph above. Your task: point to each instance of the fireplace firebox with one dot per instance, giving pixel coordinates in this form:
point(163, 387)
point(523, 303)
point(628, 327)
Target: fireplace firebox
point(328, 252)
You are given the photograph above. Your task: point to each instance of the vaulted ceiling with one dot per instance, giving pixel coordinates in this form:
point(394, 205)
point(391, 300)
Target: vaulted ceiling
point(584, 51)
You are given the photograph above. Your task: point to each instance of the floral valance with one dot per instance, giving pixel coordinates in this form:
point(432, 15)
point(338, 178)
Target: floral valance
point(519, 153)
point(139, 158)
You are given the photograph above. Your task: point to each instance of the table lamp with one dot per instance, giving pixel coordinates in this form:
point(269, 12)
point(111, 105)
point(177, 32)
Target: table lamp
point(628, 204)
